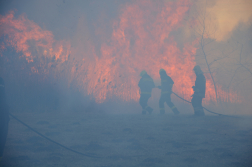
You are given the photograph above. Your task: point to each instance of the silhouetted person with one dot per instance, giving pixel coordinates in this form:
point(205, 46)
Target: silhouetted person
point(166, 91)
point(199, 92)
point(146, 85)
point(4, 117)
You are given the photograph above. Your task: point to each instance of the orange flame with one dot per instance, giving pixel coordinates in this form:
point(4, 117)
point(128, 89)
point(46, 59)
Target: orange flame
point(27, 37)
point(141, 40)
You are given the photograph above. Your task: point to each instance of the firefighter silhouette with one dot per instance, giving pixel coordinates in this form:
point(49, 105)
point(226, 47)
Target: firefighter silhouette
point(146, 85)
point(199, 92)
point(166, 91)
point(4, 117)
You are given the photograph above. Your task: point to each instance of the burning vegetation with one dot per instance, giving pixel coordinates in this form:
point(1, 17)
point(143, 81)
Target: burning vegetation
point(141, 39)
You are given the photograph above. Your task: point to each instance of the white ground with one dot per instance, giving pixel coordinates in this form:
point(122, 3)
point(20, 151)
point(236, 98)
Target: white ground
point(129, 140)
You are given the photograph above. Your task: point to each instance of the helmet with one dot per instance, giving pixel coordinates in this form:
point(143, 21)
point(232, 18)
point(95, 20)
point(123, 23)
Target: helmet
point(161, 71)
point(143, 73)
point(197, 69)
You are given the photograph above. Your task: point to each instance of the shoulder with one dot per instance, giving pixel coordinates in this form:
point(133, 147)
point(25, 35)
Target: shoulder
point(169, 79)
point(147, 76)
point(141, 80)
point(201, 78)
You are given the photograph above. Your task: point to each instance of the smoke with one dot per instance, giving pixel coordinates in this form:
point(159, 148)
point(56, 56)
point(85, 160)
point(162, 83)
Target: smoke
point(221, 18)
point(100, 47)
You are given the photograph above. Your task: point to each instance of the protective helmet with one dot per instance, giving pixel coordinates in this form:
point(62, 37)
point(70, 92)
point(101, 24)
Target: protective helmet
point(197, 69)
point(161, 71)
point(143, 73)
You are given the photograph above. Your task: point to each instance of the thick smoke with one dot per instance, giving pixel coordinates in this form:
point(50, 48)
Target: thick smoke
point(222, 18)
point(216, 33)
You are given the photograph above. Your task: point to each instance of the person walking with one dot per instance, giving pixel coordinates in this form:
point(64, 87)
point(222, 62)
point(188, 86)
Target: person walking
point(166, 91)
point(146, 84)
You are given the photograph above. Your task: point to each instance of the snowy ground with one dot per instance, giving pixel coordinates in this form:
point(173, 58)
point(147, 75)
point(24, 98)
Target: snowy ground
point(129, 140)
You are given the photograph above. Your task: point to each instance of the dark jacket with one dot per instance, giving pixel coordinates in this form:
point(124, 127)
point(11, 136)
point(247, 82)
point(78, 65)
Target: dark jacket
point(146, 84)
point(166, 84)
point(200, 86)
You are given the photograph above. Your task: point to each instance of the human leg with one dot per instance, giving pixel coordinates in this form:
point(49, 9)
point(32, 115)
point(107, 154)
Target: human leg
point(197, 106)
point(171, 105)
point(161, 104)
point(143, 102)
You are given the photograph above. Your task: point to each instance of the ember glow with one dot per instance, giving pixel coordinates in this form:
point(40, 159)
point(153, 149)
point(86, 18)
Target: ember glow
point(141, 40)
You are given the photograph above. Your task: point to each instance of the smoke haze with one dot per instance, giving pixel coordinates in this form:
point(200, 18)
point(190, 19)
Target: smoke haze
point(98, 48)
point(72, 67)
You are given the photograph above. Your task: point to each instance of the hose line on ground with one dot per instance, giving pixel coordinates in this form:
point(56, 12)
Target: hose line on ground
point(90, 155)
point(87, 155)
point(203, 107)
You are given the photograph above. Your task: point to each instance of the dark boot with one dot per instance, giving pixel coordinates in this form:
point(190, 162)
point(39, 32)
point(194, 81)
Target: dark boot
point(199, 112)
point(175, 111)
point(144, 112)
point(202, 112)
point(149, 109)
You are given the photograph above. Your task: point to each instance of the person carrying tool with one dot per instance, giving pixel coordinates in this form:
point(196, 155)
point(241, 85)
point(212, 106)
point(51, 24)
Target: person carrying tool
point(199, 92)
point(4, 117)
point(146, 84)
point(166, 91)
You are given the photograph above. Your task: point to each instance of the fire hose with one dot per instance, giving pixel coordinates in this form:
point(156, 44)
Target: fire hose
point(90, 155)
point(203, 107)
point(87, 155)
